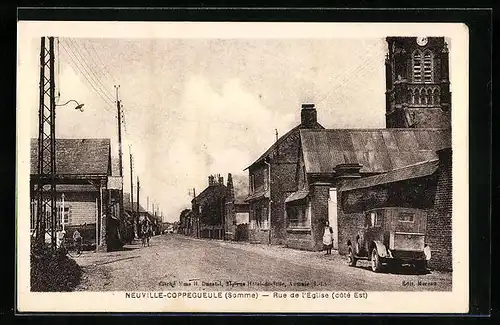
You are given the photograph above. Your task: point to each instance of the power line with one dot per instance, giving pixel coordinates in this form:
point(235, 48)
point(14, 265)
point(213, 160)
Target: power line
point(73, 63)
point(105, 68)
point(75, 49)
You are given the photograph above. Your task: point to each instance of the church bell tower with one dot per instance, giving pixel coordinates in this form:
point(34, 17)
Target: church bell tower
point(417, 83)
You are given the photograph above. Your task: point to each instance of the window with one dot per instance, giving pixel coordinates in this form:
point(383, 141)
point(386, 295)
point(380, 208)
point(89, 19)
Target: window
point(422, 66)
point(405, 217)
point(417, 66)
point(299, 216)
point(374, 219)
point(428, 67)
point(266, 179)
point(63, 216)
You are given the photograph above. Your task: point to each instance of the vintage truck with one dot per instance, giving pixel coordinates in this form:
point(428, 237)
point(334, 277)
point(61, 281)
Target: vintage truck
point(391, 235)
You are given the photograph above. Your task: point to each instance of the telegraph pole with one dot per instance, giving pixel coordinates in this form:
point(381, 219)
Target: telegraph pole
point(46, 179)
point(138, 187)
point(118, 107)
point(120, 153)
point(132, 191)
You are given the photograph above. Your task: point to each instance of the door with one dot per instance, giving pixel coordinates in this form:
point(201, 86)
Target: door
point(332, 216)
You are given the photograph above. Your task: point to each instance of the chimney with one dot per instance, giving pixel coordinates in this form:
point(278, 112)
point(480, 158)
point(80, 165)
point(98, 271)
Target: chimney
point(221, 180)
point(210, 180)
point(230, 187)
point(308, 116)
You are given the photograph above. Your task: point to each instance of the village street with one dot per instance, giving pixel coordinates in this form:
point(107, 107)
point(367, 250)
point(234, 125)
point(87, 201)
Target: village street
point(173, 259)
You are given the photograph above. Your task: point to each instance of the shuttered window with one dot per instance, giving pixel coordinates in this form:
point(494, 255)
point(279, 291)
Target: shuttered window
point(427, 67)
point(417, 66)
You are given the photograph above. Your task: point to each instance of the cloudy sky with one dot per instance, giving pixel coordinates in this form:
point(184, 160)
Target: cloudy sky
point(194, 107)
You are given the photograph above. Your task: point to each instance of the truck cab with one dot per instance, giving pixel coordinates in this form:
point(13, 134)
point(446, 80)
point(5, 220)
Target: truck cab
point(390, 235)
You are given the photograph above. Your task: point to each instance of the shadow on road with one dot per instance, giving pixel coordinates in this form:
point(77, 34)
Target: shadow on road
point(117, 260)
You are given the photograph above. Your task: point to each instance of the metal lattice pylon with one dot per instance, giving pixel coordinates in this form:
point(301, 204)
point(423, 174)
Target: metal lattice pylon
point(45, 190)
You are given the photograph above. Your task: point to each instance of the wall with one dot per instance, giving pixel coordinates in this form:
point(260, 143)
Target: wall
point(282, 184)
point(82, 207)
point(439, 223)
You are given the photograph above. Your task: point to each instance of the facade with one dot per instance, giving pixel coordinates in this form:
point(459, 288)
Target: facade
point(425, 186)
point(91, 192)
point(270, 182)
point(327, 158)
point(417, 83)
point(237, 210)
point(208, 210)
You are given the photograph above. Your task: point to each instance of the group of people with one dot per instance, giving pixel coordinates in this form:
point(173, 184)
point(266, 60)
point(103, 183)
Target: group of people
point(77, 238)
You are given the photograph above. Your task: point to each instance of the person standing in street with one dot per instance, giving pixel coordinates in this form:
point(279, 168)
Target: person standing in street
point(328, 238)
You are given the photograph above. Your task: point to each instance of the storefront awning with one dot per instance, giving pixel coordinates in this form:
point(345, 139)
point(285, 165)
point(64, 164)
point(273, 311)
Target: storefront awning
point(299, 195)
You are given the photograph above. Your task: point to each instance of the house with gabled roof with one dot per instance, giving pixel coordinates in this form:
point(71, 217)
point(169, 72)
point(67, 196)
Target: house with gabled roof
point(329, 160)
point(87, 179)
point(270, 180)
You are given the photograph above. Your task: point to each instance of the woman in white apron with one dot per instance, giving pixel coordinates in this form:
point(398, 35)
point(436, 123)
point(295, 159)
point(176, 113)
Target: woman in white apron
point(328, 239)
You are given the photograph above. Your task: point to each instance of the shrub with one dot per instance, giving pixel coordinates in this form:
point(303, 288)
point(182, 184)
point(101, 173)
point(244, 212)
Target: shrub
point(53, 272)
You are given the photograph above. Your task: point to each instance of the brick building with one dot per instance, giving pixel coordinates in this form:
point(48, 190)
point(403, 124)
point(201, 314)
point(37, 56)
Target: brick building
point(208, 210)
point(426, 186)
point(417, 83)
point(327, 158)
point(270, 182)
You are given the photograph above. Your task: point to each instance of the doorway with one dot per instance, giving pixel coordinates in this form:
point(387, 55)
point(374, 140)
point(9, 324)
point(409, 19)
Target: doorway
point(332, 216)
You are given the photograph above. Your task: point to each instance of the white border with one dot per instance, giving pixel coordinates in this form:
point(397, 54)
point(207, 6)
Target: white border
point(455, 301)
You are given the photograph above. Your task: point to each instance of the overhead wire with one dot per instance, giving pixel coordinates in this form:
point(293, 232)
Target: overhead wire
point(78, 54)
point(74, 64)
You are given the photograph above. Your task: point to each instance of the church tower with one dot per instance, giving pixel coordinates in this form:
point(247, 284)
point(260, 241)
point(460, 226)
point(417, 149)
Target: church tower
point(417, 83)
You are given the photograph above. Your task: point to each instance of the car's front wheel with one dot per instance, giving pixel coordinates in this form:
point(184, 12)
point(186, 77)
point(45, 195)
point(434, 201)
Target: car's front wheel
point(351, 258)
point(376, 264)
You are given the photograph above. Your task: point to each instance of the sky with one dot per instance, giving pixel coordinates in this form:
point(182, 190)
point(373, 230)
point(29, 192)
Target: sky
point(195, 107)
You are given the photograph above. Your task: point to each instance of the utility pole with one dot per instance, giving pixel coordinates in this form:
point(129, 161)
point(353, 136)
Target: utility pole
point(138, 187)
point(147, 203)
point(45, 192)
point(120, 153)
point(132, 191)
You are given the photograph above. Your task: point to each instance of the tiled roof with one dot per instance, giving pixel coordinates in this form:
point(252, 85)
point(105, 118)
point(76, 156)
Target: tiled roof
point(280, 141)
point(77, 156)
point(415, 171)
point(376, 150)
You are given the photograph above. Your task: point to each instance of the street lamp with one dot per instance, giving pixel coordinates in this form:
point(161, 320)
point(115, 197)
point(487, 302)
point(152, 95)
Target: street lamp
point(79, 106)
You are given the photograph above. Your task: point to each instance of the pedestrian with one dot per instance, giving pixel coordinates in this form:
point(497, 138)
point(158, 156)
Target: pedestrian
point(77, 239)
point(328, 238)
point(60, 237)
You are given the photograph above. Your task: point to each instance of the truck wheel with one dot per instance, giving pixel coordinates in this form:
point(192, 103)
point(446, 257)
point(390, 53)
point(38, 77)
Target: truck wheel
point(350, 256)
point(376, 264)
point(421, 266)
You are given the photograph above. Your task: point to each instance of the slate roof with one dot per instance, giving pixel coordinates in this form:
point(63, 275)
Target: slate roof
point(377, 150)
point(410, 172)
point(280, 141)
point(76, 156)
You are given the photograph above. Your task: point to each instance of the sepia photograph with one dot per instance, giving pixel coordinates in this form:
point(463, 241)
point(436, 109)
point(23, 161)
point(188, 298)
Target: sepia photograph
point(245, 167)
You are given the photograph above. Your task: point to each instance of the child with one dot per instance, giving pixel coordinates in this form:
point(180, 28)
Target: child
point(328, 239)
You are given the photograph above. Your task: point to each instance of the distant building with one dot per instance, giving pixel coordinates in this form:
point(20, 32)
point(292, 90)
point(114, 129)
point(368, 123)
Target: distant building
point(271, 181)
point(417, 83)
point(208, 210)
point(237, 210)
